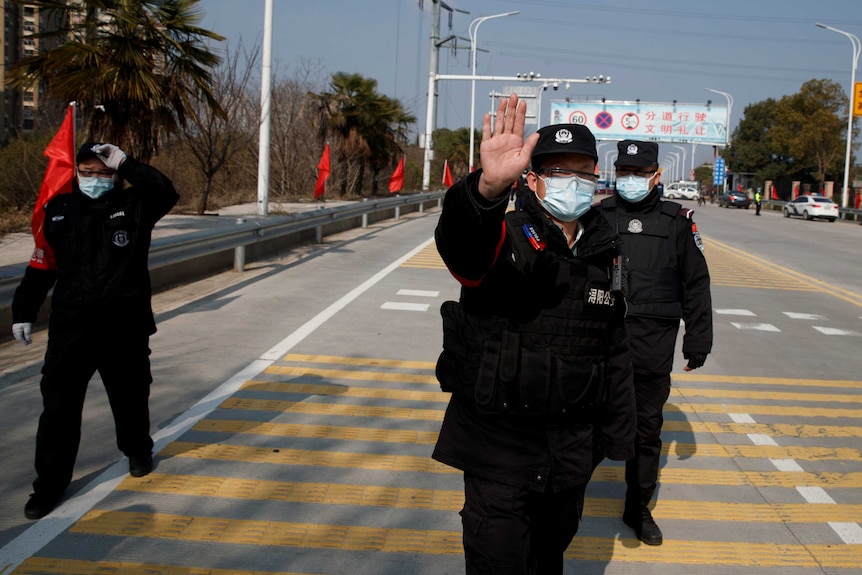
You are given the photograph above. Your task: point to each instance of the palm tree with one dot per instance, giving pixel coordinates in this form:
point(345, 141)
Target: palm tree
point(137, 68)
point(367, 128)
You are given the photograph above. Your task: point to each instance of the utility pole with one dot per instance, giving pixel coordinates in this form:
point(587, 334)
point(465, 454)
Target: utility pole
point(431, 111)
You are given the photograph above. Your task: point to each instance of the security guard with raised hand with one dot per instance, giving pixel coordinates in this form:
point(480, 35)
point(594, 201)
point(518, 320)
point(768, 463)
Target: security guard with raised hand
point(666, 278)
point(534, 352)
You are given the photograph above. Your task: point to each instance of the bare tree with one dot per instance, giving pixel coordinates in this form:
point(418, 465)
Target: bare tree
point(294, 144)
point(215, 139)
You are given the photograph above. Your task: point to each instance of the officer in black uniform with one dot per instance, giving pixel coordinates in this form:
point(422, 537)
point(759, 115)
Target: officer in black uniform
point(666, 279)
point(535, 352)
point(98, 240)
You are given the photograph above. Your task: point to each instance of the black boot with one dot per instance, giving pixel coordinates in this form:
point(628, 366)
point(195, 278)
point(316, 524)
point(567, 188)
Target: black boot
point(637, 516)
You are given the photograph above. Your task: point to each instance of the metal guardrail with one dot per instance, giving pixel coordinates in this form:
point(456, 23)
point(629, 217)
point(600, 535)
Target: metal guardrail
point(179, 249)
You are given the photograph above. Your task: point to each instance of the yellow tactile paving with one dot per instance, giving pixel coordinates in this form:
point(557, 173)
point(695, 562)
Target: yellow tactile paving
point(351, 375)
point(280, 456)
point(453, 500)
point(332, 409)
point(343, 391)
point(437, 542)
point(367, 361)
point(767, 395)
point(402, 436)
point(793, 382)
point(730, 267)
point(429, 438)
point(772, 430)
point(754, 409)
point(44, 566)
point(428, 258)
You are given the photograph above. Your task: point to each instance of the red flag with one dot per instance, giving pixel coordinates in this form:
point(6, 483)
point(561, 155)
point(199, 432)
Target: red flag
point(396, 182)
point(774, 193)
point(57, 180)
point(447, 175)
point(322, 173)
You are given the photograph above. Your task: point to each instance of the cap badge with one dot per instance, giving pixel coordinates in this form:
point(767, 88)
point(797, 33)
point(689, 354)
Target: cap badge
point(563, 137)
point(632, 150)
point(635, 226)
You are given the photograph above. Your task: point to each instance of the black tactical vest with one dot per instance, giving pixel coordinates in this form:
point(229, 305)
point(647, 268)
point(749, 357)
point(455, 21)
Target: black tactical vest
point(553, 362)
point(649, 247)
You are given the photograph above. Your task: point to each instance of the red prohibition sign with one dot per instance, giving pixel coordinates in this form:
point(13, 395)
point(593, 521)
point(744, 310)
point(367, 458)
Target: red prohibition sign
point(630, 121)
point(604, 120)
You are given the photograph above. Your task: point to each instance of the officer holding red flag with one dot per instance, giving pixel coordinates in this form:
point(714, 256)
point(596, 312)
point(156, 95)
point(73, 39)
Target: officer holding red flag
point(101, 315)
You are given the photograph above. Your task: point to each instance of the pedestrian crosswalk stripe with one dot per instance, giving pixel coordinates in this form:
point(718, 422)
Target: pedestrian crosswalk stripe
point(412, 463)
point(218, 530)
point(429, 438)
point(453, 500)
point(48, 566)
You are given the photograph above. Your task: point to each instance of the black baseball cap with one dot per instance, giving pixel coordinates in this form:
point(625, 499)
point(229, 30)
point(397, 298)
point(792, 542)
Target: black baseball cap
point(564, 139)
point(85, 152)
point(636, 153)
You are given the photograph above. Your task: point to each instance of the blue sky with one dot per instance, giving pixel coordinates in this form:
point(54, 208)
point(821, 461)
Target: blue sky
point(656, 51)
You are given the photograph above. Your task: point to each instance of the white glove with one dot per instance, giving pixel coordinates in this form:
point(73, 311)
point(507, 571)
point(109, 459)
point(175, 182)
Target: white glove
point(21, 331)
point(111, 155)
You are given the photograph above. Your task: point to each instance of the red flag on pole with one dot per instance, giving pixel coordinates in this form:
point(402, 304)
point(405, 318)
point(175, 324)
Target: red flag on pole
point(396, 182)
point(774, 193)
point(57, 180)
point(323, 168)
point(447, 175)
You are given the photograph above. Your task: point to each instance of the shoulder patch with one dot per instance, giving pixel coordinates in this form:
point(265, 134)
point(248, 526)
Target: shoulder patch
point(698, 241)
point(687, 213)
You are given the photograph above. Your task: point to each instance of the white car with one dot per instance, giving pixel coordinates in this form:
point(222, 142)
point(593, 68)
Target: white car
point(684, 193)
point(810, 207)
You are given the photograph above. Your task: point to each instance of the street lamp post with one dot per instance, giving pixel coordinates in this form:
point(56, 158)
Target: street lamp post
point(727, 118)
point(726, 122)
point(682, 166)
point(473, 32)
point(857, 47)
point(608, 167)
point(676, 156)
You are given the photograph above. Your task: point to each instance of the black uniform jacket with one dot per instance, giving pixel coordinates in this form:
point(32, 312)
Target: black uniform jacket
point(101, 248)
point(526, 452)
point(693, 274)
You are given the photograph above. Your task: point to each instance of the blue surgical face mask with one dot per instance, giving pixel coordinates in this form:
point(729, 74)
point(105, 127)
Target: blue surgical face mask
point(633, 188)
point(567, 199)
point(95, 187)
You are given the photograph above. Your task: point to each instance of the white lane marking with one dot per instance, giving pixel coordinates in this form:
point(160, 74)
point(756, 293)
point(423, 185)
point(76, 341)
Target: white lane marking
point(287, 343)
point(741, 418)
point(402, 306)
point(755, 326)
point(418, 292)
point(787, 465)
point(834, 331)
point(814, 494)
point(762, 439)
point(794, 315)
point(43, 532)
point(735, 312)
point(850, 533)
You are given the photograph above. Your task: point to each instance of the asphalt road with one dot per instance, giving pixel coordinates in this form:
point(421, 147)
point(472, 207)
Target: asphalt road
point(308, 385)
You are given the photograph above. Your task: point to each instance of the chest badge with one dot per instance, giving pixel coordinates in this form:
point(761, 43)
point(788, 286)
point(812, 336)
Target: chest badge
point(120, 238)
point(635, 226)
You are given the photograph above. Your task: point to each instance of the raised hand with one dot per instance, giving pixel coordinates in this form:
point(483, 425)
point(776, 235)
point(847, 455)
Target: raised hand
point(504, 153)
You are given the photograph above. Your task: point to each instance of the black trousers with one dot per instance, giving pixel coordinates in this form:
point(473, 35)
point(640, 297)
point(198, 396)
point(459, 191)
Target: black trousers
point(652, 343)
point(515, 531)
point(71, 360)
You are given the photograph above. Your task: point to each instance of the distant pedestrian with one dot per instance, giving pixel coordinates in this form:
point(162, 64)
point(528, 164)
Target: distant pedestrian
point(757, 200)
point(101, 315)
